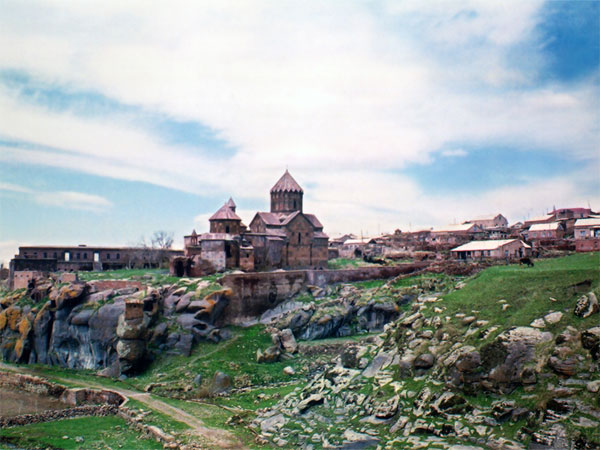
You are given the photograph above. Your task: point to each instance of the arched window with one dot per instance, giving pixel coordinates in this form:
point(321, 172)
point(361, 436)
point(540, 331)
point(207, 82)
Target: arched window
point(299, 238)
point(226, 228)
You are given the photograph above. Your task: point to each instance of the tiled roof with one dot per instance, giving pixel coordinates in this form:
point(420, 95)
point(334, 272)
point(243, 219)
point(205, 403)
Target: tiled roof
point(314, 221)
point(485, 245)
point(225, 213)
point(231, 203)
point(286, 184)
point(270, 219)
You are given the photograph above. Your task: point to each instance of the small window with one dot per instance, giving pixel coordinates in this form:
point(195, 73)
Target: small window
point(96, 257)
point(55, 255)
point(108, 256)
point(294, 204)
point(78, 255)
point(45, 255)
point(85, 256)
point(227, 229)
point(299, 238)
point(67, 256)
point(118, 256)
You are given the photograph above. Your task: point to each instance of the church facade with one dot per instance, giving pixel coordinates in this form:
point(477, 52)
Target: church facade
point(284, 238)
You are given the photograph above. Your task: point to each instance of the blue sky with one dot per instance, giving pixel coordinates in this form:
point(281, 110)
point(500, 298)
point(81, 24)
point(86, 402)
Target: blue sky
point(117, 120)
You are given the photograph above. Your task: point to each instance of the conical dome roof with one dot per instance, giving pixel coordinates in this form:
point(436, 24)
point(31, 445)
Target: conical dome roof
point(286, 184)
point(231, 203)
point(225, 213)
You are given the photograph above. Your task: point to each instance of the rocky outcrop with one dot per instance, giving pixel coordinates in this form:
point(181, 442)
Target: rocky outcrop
point(586, 305)
point(77, 326)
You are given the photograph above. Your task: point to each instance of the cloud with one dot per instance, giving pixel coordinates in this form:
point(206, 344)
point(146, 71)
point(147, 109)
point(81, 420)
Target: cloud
point(454, 153)
point(8, 249)
point(342, 93)
point(62, 199)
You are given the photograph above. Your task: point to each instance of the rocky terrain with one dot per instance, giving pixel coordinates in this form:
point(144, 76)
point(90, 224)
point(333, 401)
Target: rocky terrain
point(506, 357)
point(80, 325)
point(437, 378)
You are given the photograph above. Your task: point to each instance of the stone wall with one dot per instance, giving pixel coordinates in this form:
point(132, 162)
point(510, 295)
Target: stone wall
point(254, 293)
point(104, 285)
point(68, 396)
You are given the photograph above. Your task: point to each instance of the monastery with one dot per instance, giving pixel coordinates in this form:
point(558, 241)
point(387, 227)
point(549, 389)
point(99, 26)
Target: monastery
point(284, 238)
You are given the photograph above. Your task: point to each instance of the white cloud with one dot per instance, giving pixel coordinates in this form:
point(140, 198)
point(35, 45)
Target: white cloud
point(62, 199)
point(340, 92)
point(454, 153)
point(8, 249)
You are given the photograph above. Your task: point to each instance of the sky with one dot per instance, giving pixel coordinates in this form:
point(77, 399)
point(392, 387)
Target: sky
point(118, 119)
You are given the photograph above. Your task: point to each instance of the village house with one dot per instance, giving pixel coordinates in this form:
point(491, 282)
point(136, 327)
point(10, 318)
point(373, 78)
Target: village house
point(284, 237)
point(587, 234)
point(494, 249)
point(539, 219)
point(453, 234)
point(546, 231)
point(489, 221)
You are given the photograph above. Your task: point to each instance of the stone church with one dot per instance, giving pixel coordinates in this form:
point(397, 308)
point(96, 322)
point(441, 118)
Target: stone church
point(284, 238)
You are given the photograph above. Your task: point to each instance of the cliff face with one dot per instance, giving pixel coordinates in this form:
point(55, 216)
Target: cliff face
point(78, 326)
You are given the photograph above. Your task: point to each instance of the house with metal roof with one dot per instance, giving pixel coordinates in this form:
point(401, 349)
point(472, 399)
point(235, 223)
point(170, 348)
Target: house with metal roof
point(489, 221)
point(587, 234)
point(546, 231)
point(492, 249)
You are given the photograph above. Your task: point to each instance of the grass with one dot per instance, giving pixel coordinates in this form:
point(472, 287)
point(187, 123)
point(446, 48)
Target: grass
point(347, 263)
point(235, 356)
point(158, 419)
point(529, 292)
point(97, 433)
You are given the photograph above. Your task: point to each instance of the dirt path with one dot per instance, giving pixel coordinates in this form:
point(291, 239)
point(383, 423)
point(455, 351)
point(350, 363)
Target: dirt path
point(213, 437)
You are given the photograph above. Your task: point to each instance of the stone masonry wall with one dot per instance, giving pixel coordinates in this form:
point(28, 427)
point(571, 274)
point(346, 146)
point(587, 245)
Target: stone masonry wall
point(254, 293)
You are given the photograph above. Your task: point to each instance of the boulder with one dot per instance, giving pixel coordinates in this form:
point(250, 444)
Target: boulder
point(449, 403)
point(221, 382)
point(183, 303)
point(184, 344)
point(82, 317)
point(468, 362)
point(590, 340)
point(271, 354)
point(553, 318)
point(349, 357)
point(566, 367)
point(131, 350)
point(424, 361)
point(506, 357)
point(70, 295)
point(160, 333)
point(288, 341)
point(311, 400)
point(131, 329)
point(586, 305)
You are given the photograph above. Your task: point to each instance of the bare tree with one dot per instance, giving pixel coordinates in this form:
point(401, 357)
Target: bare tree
point(162, 240)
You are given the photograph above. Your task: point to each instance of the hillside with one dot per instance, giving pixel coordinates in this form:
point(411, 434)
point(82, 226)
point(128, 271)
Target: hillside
point(498, 359)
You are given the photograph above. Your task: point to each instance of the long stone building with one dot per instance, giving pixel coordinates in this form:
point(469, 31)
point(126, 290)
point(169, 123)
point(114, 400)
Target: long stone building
point(284, 237)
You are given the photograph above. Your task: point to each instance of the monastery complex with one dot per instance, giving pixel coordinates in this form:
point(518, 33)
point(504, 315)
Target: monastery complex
point(285, 237)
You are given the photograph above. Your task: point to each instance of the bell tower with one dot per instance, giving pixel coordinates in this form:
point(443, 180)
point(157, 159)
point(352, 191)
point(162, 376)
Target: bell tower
point(286, 195)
